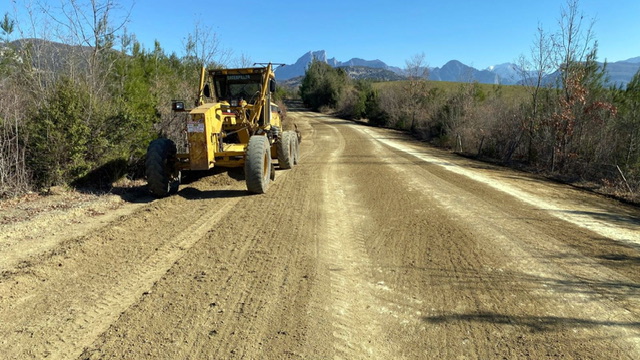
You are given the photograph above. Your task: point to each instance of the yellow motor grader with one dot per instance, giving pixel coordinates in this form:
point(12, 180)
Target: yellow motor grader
point(241, 128)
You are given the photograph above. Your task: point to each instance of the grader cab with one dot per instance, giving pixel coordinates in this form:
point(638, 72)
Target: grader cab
point(234, 124)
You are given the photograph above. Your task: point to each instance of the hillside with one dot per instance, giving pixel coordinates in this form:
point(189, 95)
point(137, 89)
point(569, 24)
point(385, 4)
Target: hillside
point(49, 55)
point(376, 74)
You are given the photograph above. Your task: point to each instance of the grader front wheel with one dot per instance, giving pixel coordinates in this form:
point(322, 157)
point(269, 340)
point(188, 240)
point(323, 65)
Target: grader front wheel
point(162, 177)
point(257, 166)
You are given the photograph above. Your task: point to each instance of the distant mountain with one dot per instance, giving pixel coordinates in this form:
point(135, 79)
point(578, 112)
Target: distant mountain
point(504, 74)
point(354, 72)
point(375, 64)
point(362, 62)
point(292, 83)
point(49, 55)
point(508, 73)
point(290, 71)
point(52, 56)
point(301, 65)
point(452, 71)
point(456, 71)
point(621, 72)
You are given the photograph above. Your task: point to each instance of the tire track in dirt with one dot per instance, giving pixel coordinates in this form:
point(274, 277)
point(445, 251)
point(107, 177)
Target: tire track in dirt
point(23, 240)
point(558, 291)
point(341, 252)
point(377, 194)
point(58, 325)
point(128, 292)
point(461, 270)
point(594, 218)
point(252, 297)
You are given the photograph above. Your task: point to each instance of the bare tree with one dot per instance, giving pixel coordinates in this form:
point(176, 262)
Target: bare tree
point(93, 25)
point(574, 41)
point(243, 61)
point(533, 71)
point(416, 87)
point(33, 32)
point(14, 177)
point(69, 38)
point(575, 50)
point(416, 67)
point(203, 47)
point(540, 64)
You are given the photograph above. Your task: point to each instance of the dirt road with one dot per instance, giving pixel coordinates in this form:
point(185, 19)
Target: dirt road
point(374, 247)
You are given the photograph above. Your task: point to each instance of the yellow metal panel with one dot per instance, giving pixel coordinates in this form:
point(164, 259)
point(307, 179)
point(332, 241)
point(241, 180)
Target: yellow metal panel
point(202, 128)
point(203, 108)
point(197, 142)
point(275, 116)
point(233, 149)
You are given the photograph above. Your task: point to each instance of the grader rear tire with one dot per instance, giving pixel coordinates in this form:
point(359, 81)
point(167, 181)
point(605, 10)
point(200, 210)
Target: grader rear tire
point(257, 166)
point(162, 178)
point(285, 149)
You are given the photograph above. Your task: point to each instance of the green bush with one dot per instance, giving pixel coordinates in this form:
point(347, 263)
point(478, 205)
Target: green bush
point(374, 112)
point(322, 85)
point(59, 135)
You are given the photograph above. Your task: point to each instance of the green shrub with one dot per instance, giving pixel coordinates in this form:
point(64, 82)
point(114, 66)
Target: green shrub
point(322, 85)
point(59, 136)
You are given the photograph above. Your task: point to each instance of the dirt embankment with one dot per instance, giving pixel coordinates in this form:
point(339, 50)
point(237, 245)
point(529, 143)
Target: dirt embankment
point(373, 247)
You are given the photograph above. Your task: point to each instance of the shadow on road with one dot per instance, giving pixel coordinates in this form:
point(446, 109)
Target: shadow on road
point(134, 195)
point(131, 194)
point(191, 193)
point(534, 323)
point(521, 283)
point(615, 218)
point(624, 260)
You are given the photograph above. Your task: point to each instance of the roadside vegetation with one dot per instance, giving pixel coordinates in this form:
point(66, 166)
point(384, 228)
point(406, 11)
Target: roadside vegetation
point(80, 98)
point(573, 128)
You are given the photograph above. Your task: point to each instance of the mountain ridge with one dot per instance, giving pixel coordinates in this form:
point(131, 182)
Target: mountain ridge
point(620, 72)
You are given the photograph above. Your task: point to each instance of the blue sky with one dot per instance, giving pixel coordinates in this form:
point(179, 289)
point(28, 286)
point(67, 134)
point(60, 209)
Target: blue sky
point(478, 33)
